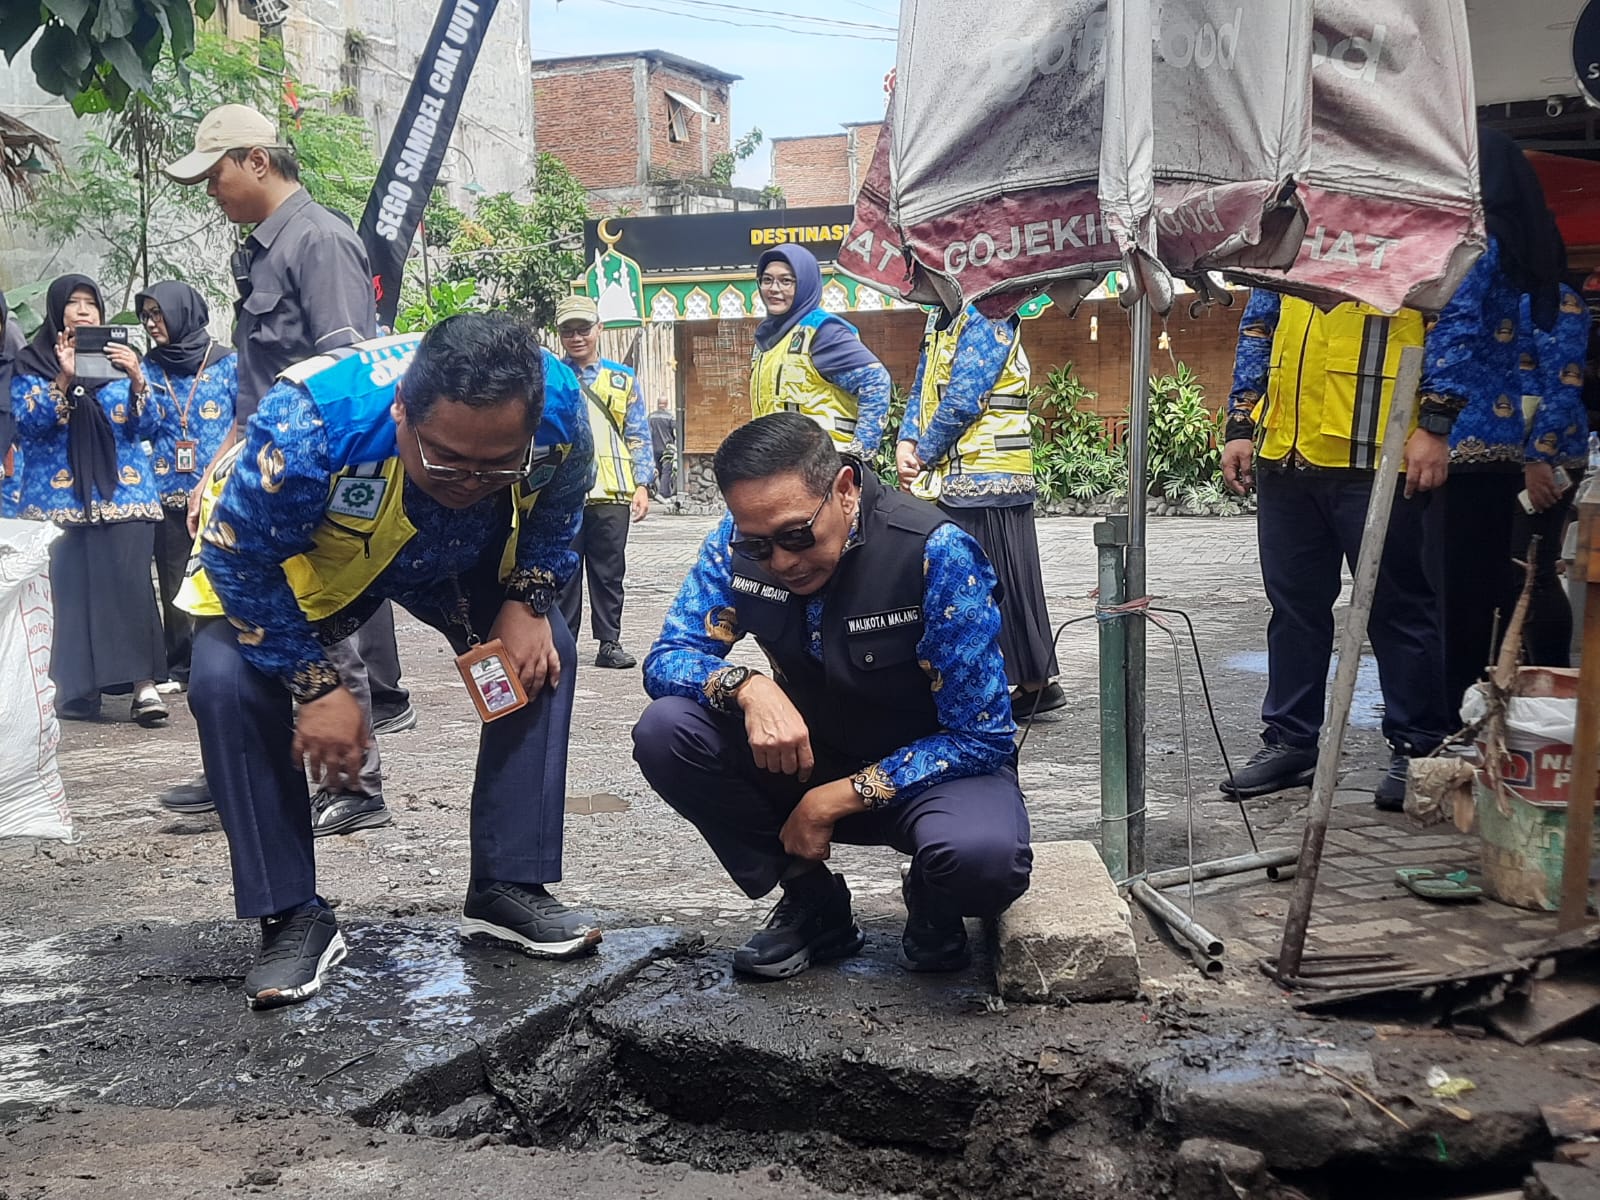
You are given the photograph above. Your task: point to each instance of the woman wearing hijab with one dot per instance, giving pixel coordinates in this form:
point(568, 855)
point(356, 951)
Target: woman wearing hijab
point(812, 362)
point(195, 381)
point(85, 469)
point(1473, 370)
point(11, 341)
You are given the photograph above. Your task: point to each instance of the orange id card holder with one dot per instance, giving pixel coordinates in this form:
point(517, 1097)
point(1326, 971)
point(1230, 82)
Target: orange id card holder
point(491, 682)
point(187, 453)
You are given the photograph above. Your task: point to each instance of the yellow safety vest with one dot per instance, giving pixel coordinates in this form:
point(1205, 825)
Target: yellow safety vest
point(1000, 441)
point(607, 400)
point(784, 379)
point(1331, 382)
point(360, 535)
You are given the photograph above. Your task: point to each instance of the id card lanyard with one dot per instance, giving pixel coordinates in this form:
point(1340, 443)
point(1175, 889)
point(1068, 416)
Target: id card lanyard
point(186, 449)
point(495, 689)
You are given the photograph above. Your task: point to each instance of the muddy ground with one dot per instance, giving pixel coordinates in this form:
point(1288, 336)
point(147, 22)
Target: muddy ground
point(1088, 1101)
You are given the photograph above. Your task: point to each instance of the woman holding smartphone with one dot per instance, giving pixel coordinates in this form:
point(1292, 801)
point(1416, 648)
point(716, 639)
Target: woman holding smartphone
point(85, 469)
point(195, 381)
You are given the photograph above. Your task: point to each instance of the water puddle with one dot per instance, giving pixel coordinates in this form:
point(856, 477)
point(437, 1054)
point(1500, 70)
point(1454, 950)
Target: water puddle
point(596, 802)
point(1366, 710)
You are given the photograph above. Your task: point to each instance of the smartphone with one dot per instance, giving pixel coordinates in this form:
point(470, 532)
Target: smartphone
point(1562, 480)
point(89, 344)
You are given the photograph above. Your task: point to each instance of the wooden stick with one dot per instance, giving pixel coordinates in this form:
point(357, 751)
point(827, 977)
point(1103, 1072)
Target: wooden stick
point(1373, 535)
point(1579, 847)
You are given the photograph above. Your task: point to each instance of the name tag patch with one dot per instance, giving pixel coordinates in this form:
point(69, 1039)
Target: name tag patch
point(762, 591)
point(358, 497)
point(878, 622)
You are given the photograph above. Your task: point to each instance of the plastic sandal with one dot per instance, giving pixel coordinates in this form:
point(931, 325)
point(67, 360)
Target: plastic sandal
point(1430, 885)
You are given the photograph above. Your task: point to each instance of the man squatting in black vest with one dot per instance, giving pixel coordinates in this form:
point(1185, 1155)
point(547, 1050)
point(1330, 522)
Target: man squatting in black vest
point(886, 719)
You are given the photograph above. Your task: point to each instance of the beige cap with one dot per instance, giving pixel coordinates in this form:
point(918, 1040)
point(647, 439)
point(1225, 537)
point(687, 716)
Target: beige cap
point(228, 127)
point(577, 308)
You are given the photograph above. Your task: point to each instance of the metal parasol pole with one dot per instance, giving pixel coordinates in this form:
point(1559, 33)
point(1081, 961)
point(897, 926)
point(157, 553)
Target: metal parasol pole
point(1138, 489)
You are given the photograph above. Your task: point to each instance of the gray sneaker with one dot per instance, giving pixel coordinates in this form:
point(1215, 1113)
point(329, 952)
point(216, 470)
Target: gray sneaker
point(346, 812)
point(527, 917)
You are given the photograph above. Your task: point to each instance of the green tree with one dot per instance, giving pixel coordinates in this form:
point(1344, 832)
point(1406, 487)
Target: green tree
point(724, 164)
point(522, 256)
point(150, 228)
point(100, 53)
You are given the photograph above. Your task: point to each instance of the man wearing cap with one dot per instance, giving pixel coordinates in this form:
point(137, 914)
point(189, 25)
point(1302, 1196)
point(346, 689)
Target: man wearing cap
point(624, 471)
point(305, 288)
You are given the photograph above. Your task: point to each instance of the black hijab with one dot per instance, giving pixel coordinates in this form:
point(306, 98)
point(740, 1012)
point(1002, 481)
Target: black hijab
point(189, 349)
point(1531, 253)
point(91, 442)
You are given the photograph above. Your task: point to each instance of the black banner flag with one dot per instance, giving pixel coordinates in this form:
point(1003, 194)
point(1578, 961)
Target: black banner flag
point(417, 146)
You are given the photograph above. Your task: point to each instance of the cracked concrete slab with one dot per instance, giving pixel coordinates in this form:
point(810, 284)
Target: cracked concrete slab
point(1070, 938)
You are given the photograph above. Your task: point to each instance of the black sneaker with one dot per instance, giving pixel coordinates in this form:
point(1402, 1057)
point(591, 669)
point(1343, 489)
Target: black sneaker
point(296, 951)
point(1025, 705)
point(527, 917)
point(1272, 768)
point(933, 940)
point(812, 923)
point(613, 655)
point(403, 720)
point(1390, 794)
point(346, 812)
point(188, 798)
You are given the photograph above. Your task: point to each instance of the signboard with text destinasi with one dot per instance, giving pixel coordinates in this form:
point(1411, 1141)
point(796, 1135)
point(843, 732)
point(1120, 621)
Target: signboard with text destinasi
point(719, 241)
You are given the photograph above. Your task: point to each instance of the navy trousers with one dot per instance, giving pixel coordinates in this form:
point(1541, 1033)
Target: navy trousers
point(246, 725)
point(1307, 524)
point(967, 838)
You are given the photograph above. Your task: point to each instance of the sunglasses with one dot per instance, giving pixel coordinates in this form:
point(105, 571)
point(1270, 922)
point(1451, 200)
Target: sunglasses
point(794, 539)
point(459, 474)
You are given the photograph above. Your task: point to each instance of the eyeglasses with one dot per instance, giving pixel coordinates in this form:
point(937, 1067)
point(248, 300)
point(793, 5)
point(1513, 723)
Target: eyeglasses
point(779, 283)
point(794, 539)
point(150, 315)
point(459, 474)
point(576, 330)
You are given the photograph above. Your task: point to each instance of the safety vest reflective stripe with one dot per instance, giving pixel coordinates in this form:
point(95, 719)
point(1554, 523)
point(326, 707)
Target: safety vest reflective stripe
point(784, 379)
point(1331, 382)
point(1000, 441)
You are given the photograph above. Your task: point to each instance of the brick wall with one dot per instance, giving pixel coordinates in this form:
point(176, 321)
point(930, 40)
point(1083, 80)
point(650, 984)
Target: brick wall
point(865, 140)
point(690, 159)
point(813, 170)
point(714, 358)
point(586, 118)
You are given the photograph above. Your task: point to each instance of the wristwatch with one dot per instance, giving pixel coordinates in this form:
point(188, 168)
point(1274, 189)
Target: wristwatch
point(541, 598)
point(723, 683)
point(1436, 422)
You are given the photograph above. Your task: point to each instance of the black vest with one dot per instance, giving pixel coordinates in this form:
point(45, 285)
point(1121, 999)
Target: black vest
point(868, 696)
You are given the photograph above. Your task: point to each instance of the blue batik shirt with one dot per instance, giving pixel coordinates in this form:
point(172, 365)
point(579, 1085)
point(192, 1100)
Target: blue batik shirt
point(209, 402)
point(274, 521)
point(1559, 431)
point(980, 358)
point(47, 491)
point(1471, 358)
point(959, 650)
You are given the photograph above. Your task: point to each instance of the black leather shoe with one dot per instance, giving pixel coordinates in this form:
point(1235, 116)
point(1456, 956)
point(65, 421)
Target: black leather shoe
point(1273, 768)
point(1390, 794)
point(188, 798)
point(933, 940)
point(812, 923)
